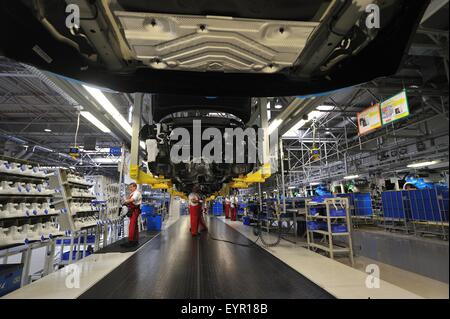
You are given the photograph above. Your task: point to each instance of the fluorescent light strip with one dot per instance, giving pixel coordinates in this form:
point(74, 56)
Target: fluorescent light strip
point(274, 125)
point(423, 164)
point(91, 118)
point(351, 177)
point(313, 114)
point(107, 105)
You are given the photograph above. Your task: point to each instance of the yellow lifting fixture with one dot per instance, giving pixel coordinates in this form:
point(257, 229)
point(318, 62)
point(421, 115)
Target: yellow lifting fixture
point(155, 182)
point(259, 176)
point(174, 192)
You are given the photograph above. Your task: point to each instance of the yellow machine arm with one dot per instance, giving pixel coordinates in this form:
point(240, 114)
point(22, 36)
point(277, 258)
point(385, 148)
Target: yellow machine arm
point(155, 182)
point(259, 176)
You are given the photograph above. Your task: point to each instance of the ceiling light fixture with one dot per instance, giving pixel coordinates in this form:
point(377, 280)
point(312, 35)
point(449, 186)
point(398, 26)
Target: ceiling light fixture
point(422, 164)
point(108, 107)
point(47, 130)
point(274, 125)
point(91, 118)
point(325, 108)
point(351, 177)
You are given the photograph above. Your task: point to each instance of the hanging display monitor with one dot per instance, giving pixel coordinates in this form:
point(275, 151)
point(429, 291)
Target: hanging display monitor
point(369, 119)
point(394, 108)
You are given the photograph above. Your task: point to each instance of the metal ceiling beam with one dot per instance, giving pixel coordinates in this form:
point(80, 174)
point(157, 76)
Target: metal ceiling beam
point(75, 92)
point(432, 9)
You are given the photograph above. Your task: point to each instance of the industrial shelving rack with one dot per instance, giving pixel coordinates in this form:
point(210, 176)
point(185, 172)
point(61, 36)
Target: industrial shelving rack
point(108, 193)
point(327, 214)
point(73, 199)
point(295, 207)
point(79, 216)
point(27, 220)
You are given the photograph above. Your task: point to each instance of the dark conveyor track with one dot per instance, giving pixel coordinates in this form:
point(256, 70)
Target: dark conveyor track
point(176, 265)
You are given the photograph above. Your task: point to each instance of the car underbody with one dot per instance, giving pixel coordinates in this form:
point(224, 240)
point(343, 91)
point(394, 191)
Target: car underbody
point(208, 58)
point(212, 48)
point(173, 112)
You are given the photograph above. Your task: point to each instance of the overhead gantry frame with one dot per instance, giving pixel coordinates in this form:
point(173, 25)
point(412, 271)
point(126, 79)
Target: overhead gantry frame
point(138, 175)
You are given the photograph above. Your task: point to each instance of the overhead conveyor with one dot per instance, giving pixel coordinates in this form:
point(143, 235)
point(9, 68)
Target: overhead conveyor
point(173, 265)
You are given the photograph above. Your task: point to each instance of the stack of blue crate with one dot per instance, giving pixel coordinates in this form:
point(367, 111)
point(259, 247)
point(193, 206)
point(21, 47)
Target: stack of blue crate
point(184, 209)
point(429, 204)
point(396, 204)
point(241, 209)
point(360, 203)
point(217, 208)
point(321, 198)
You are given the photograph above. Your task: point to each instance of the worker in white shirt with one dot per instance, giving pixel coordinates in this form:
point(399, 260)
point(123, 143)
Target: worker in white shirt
point(234, 206)
point(195, 210)
point(227, 207)
point(133, 202)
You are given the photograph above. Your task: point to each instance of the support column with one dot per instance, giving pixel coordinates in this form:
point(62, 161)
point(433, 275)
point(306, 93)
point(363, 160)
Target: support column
point(264, 124)
point(136, 126)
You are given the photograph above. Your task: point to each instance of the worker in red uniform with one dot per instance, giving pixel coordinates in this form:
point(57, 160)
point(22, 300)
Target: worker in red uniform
point(196, 211)
point(234, 206)
point(227, 207)
point(133, 202)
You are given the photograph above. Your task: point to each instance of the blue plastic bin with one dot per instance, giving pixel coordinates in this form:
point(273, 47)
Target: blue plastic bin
point(217, 209)
point(147, 210)
point(429, 204)
point(312, 225)
point(316, 225)
point(339, 228)
point(154, 222)
point(10, 278)
point(246, 220)
point(337, 212)
point(396, 204)
point(90, 240)
point(65, 256)
point(360, 203)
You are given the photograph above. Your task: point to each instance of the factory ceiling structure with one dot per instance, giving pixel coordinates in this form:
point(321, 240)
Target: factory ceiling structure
point(114, 138)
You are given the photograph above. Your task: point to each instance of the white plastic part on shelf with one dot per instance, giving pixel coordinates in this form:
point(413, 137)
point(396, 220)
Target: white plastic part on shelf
point(7, 188)
point(80, 207)
point(78, 192)
point(49, 230)
point(25, 209)
point(84, 222)
point(47, 210)
point(21, 169)
point(14, 235)
point(4, 166)
point(9, 210)
point(78, 180)
point(30, 233)
point(3, 236)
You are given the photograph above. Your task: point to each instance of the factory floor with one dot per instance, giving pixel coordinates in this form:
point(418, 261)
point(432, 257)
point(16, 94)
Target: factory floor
point(395, 282)
point(175, 265)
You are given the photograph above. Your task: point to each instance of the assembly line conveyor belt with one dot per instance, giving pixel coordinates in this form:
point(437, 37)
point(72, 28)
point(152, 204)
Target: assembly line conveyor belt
point(175, 265)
